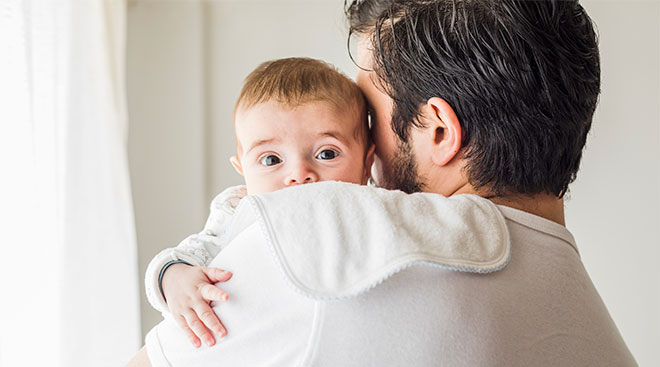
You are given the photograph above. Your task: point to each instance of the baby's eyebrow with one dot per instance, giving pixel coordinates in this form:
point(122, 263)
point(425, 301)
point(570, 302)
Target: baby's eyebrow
point(260, 143)
point(334, 134)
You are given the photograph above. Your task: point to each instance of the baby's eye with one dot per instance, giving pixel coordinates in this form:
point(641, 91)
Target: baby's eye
point(327, 154)
point(270, 160)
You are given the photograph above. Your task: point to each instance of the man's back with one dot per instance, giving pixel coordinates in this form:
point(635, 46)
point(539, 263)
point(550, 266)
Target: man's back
point(540, 310)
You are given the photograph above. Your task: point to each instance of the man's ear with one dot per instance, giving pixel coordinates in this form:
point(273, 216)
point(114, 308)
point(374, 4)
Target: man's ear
point(237, 164)
point(443, 128)
point(368, 162)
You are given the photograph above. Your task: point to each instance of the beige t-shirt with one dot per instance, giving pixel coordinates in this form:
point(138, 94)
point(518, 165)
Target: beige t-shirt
point(540, 310)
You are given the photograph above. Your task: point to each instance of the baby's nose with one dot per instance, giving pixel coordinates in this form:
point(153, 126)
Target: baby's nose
point(300, 176)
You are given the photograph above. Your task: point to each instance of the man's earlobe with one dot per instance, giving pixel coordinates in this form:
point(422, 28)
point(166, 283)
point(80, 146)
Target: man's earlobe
point(237, 164)
point(446, 131)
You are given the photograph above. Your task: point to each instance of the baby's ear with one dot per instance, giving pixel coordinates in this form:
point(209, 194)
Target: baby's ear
point(368, 162)
point(237, 164)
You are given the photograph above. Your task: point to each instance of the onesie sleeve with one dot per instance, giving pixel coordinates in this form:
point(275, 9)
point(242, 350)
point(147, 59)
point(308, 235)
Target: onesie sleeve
point(197, 249)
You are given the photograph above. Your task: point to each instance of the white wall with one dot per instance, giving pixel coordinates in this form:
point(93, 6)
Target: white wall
point(614, 205)
point(186, 61)
point(165, 73)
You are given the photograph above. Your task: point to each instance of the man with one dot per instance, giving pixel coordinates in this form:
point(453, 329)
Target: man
point(467, 97)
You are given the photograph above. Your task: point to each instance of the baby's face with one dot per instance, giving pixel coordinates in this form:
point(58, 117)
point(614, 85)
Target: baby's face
point(280, 146)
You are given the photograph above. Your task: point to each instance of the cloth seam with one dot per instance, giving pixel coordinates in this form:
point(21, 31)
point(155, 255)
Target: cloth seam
point(313, 341)
point(539, 224)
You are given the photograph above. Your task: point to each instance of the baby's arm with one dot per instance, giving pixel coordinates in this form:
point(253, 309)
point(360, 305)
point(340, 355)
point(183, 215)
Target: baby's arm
point(195, 282)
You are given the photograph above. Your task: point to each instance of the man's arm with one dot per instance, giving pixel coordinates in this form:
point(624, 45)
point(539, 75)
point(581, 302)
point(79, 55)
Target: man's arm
point(141, 359)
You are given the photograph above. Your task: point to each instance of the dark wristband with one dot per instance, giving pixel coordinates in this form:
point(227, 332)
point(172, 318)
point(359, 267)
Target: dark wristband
point(162, 271)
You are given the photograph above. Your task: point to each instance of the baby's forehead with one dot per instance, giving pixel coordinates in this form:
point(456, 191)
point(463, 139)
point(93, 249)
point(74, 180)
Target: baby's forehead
point(272, 119)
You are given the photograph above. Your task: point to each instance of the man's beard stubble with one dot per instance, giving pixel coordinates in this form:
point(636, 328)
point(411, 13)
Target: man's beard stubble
point(401, 173)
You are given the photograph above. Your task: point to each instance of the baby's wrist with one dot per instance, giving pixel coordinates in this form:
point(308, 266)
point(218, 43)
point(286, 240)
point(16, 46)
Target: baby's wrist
point(162, 273)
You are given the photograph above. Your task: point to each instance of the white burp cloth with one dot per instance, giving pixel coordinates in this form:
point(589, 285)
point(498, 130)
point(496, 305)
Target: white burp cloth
point(336, 240)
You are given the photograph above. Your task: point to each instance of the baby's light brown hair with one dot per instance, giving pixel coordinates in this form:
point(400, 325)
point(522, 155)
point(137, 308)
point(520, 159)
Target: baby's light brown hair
point(296, 81)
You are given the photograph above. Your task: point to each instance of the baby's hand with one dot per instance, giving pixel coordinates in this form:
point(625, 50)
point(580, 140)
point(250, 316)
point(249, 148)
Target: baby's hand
point(189, 291)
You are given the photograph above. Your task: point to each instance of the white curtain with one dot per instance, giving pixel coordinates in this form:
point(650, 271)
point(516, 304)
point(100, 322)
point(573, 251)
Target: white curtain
point(68, 270)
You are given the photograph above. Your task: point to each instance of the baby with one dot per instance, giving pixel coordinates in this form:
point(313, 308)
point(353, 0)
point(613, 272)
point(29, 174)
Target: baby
point(297, 121)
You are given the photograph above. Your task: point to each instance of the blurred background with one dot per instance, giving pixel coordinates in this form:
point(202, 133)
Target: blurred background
point(167, 92)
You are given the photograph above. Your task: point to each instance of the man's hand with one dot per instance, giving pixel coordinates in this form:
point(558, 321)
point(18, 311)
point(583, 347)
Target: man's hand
point(189, 291)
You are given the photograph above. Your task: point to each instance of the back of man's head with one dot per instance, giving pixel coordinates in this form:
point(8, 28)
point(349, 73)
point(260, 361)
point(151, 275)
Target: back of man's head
point(522, 76)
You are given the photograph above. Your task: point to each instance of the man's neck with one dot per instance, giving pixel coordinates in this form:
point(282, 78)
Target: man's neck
point(543, 205)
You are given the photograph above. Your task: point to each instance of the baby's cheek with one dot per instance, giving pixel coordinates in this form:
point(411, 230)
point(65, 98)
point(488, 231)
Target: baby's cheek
point(353, 173)
point(255, 184)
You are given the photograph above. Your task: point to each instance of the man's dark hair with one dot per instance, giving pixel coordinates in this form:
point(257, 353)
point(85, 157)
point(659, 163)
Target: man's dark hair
point(523, 78)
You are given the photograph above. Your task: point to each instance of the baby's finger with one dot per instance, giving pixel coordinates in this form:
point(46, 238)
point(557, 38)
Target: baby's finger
point(212, 293)
point(216, 275)
point(198, 327)
point(211, 320)
point(189, 333)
